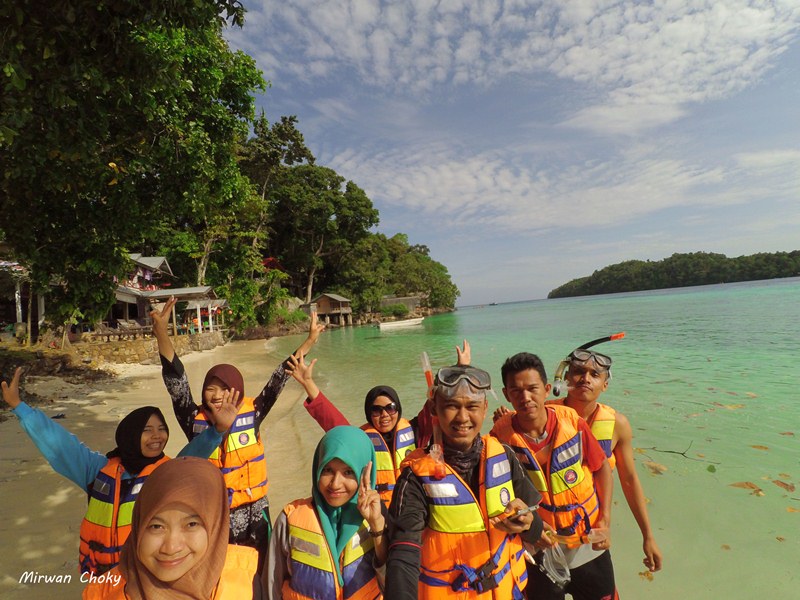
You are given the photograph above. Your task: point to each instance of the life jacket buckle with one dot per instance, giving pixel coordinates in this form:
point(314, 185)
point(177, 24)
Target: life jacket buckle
point(479, 580)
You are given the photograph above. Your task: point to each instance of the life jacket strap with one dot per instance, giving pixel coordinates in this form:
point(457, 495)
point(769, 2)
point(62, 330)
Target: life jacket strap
point(483, 578)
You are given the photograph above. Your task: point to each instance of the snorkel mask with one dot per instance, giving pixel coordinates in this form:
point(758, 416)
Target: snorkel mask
point(582, 354)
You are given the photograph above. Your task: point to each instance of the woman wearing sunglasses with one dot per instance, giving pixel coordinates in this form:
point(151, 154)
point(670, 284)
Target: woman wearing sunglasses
point(393, 436)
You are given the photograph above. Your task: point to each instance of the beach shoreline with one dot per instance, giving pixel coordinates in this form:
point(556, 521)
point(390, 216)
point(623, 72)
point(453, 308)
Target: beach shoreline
point(44, 510)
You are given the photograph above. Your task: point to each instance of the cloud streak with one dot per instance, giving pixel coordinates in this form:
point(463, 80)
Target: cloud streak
point(640, 64)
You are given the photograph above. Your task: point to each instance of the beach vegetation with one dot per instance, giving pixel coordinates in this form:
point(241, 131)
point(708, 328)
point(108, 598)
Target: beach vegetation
point(131, 128)
point(116, 120)
point(682, 270)
point(395, 310)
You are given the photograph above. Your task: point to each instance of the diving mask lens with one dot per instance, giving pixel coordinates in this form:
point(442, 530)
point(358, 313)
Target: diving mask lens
point(583, 356)
point(450, 376)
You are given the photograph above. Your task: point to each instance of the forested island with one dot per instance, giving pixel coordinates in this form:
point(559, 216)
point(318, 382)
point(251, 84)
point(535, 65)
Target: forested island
point(682, 270)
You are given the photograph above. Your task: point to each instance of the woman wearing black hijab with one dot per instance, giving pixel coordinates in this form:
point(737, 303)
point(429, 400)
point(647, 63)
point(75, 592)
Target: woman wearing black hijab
point(111, 480)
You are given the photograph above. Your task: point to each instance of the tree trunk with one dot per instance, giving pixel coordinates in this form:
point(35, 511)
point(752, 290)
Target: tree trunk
point(30, 318)
point(202, 266)
point(310, 284)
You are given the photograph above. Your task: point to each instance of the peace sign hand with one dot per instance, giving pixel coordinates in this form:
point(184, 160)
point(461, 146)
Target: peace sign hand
point(161, 317)
point(369, 501)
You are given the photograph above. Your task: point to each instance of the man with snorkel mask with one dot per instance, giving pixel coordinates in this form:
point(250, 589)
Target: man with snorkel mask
point(569, 468)
point(587, 374)
point(461, 511)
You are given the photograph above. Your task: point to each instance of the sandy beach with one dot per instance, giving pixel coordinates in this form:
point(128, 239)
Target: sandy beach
point(43, 510)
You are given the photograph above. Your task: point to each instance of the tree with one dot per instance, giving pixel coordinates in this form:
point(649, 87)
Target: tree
point(314, 219)
point(116, 118)
point(678, 270)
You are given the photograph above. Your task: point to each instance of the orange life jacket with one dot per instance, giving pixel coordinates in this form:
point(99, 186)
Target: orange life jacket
point(107, 522)
point(463, 556)
point(387, 463)
point(240, 457)
point(570, 502)
point(601, 421)
point(314, 571)
point(236, 582)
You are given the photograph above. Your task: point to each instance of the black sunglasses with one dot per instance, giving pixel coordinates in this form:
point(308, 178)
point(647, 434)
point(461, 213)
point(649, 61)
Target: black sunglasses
point(390, 409)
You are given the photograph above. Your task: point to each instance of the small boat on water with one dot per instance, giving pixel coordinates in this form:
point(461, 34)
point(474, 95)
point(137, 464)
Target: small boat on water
point(400, 324)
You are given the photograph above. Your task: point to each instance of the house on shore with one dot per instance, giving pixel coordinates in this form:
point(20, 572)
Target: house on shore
point(332, 309)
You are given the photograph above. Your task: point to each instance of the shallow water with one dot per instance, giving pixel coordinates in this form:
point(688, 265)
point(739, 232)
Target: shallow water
point(707, 377)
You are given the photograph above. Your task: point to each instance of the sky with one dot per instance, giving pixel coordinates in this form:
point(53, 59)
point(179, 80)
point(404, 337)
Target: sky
point(530, 143)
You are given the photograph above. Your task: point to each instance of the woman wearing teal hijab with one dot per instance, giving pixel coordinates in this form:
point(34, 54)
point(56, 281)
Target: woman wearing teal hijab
point(333, 544)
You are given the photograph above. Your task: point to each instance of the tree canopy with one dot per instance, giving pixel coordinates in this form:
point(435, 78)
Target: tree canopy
point(681, 270)
point(114, 115)
point(129, 127)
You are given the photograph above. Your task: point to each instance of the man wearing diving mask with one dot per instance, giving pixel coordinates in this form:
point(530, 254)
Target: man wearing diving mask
point(587, 374)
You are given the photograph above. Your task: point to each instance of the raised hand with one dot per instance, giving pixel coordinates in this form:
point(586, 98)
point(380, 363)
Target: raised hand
point(499, 412)
point(161, 317)
point(369, 501)
point(224, 415)
point(464, 354)
point(314, 329)
point(11, 391)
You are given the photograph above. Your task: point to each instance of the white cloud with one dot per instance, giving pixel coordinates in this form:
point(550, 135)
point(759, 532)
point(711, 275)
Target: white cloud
point(641, 58)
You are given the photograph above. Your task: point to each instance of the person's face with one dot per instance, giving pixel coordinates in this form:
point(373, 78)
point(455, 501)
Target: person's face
point(527, 392)
point(383, 414)
point(214, 391)
point(154, 437)
point(337, 483)
point(173, 542)
point(461, 418)
point(586, 381)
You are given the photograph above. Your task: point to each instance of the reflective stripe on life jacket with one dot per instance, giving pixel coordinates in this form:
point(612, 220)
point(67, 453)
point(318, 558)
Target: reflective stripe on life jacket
point(311, 562)
point(601, 421)
point(566, 483)
point(461, 552)
point(386, 463)
point(240, 457)
point(235, 582)
point(107, 522)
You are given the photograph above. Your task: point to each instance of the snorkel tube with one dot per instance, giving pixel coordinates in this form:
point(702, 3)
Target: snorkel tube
point(559, 385)
point(436, 451)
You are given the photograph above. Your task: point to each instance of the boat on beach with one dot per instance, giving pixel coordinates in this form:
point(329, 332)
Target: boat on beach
point(401, 323)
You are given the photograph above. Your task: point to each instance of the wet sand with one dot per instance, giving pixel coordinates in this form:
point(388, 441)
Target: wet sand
point(43, 511)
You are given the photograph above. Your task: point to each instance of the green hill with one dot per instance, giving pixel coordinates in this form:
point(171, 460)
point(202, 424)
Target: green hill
point(681, 270)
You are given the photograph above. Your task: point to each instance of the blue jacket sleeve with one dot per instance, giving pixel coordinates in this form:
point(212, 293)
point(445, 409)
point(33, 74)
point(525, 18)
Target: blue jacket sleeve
point(203, 445)
point(67, 455)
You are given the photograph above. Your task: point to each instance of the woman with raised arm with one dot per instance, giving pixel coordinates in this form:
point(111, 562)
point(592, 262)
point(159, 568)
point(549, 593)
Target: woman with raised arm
point(112, 480)
point(240, 456)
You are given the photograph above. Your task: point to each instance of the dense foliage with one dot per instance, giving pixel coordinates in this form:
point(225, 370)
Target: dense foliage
point(381, 266)
point(114, 118)
point(681, 270)
point(126, 127)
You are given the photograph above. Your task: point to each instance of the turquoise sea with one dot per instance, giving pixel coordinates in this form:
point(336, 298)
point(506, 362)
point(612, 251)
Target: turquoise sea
point(708, 378)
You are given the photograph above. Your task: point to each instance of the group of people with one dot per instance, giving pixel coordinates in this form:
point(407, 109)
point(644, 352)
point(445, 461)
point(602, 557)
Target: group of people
point(400, 509)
